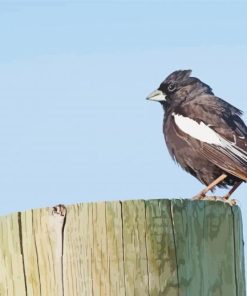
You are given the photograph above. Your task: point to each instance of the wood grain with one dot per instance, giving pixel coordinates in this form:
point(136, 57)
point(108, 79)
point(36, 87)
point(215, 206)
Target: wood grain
point(155, 247)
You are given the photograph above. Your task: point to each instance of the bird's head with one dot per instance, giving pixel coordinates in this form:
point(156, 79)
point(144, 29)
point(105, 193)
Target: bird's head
point(177, 87)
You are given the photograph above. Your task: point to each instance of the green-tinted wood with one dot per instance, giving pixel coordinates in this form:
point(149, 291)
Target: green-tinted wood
point(219, 247)
point(156, 247)
point(161, 253)
point(239, 251)
point(204, 233)
point(115, 248)
point(93, 249)
point(188, 234)
point(135, 249)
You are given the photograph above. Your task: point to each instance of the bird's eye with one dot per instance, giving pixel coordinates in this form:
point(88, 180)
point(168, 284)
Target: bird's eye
point(171, 87)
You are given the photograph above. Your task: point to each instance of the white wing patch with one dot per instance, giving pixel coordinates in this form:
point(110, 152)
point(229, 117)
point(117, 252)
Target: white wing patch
point(204, 133)
point(199, 131)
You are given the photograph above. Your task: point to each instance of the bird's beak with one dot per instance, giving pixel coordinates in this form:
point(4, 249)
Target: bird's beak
point(157, 96)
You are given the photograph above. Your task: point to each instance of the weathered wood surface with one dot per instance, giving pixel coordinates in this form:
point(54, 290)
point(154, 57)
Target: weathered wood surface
point(155, 247)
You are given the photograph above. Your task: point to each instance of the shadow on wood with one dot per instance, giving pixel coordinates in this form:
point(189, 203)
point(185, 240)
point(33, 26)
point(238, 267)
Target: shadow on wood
point(154, 247)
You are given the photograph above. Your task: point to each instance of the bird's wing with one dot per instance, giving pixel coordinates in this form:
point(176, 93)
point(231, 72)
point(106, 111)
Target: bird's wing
point(215, 130)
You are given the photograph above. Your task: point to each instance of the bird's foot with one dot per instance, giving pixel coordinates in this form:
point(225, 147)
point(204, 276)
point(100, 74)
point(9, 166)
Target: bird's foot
point(199, 196)
point(225, 199)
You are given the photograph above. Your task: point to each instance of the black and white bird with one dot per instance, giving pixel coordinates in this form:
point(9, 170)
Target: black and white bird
point(204, 134)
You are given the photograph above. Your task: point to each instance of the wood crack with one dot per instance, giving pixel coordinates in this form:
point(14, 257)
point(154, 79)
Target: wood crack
point(122, 226)
point(21, 249)
point(175, 245)
point(37, 255)
point(62, 257)
point(145, 205)
point(234, 249)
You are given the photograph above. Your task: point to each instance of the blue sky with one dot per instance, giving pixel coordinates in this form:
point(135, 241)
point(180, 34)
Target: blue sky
point(74, 122)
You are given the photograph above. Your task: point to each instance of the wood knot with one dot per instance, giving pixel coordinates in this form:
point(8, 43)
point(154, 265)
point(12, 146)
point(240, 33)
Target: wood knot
point(59, 210)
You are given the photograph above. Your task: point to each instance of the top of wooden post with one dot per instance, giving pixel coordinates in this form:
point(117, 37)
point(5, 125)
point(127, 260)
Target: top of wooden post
point(152, 247)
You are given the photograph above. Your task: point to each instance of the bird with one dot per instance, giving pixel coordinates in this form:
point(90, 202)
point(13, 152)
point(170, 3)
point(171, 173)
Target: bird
point(204, 134)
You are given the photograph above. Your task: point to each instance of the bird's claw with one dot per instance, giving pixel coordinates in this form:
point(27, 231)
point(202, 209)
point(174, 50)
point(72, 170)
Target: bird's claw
point(199, 196)
point(231, 202)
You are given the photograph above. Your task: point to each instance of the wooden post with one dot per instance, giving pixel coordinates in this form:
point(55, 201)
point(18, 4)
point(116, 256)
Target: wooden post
point(154, 247)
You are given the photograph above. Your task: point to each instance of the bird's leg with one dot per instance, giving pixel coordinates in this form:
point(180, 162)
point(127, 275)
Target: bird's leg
point(202, 194)
point(234, 187)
